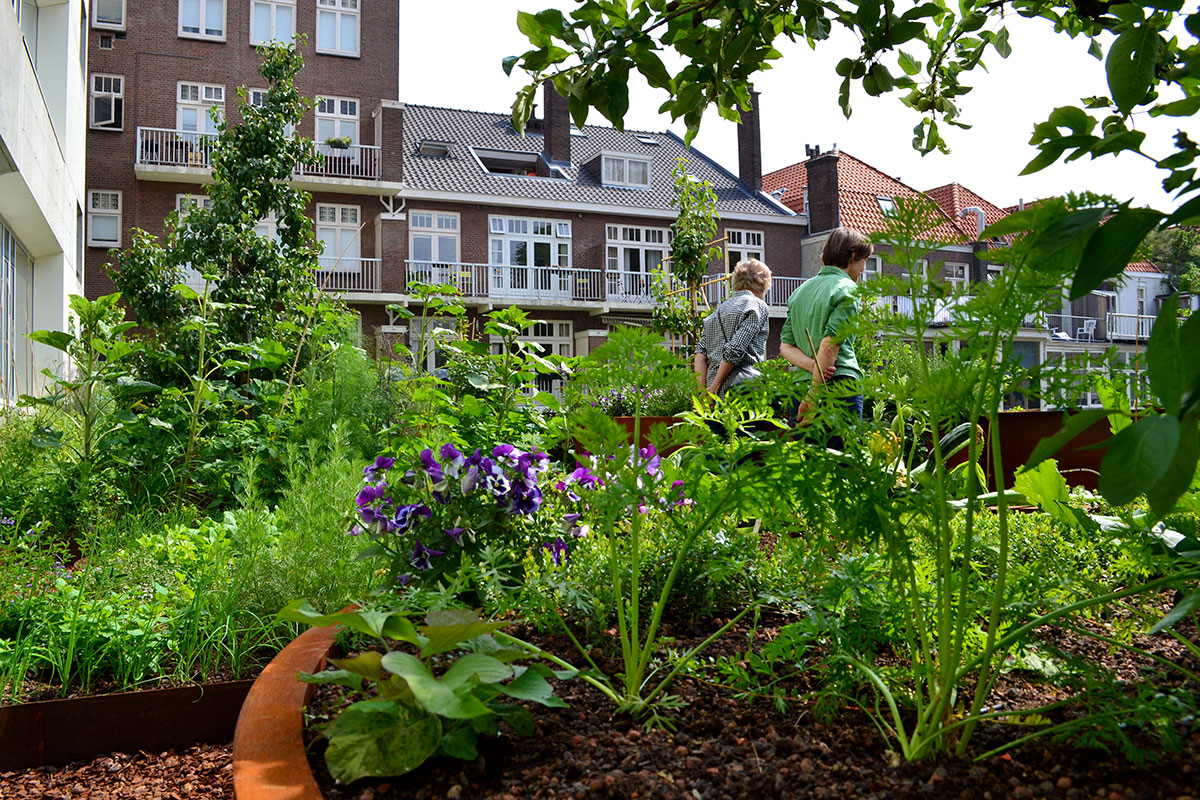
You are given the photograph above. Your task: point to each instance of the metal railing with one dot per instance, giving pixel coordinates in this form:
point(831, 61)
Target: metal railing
point(1130, 326)
point(178, 148)
point(348, 274)
point(1075, 327)
point(174, 148)
point(356, 161)
point(781, 289)
point(567, 284)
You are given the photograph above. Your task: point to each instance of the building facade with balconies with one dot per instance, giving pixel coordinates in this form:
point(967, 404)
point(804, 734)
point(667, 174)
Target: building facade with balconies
point(157, 68)
point(43, 67)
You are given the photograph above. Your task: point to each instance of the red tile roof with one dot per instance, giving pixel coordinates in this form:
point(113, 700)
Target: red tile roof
point(954, 197)
point(1143, 266)
point(859, 188)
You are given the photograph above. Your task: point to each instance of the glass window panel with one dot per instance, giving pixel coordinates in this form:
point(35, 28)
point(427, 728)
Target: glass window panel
point(349, 43)
point(189, 15)
point(214, 17)
point(188, 119)
point(639, 172)
point(422, 248)
point(518, 254)
point(653, 258)
point(541, 254)
point(325, 129)
point(328, 239)
point(633, 259)
point(104, 228)
point(110, 12)
point(326, 30)
point(285, 28)
point(497, 251)
point(447, 249)
point(260, 25)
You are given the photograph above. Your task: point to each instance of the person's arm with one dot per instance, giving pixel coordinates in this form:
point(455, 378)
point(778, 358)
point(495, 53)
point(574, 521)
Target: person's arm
point(798, 358)
point(723, 370)
point(822, 371)
point(700, 367)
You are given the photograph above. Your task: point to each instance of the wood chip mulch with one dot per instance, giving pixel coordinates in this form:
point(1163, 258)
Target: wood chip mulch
point(201, 772)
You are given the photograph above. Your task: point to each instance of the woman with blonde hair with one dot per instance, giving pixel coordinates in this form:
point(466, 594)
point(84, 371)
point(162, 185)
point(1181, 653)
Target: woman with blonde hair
point(734, 340)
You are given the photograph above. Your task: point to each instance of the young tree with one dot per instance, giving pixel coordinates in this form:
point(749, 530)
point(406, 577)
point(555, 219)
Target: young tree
point(923, 49)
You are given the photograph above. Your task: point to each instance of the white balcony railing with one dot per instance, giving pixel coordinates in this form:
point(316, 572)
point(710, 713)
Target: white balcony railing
point(174, 148)
point(356, 161)
point(348, 274)
point(1074, 327)
point(565, 284)
point(628, 287)
point(781, 289)
point(1136, 327)
point(178, 148)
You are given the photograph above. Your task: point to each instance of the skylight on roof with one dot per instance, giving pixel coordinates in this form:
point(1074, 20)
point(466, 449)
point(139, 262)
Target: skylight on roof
point(507, 162)
point(887, 205)
point(647, 140)
point(578, 132)
point(433, 147)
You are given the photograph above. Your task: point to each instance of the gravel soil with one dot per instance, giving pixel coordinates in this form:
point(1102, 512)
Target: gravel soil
point(203, 772)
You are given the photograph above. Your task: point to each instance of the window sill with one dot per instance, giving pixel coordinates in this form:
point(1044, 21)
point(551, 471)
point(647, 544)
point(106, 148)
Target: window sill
point(100, 26)
point(105, 128)
point(105, 246)
point(202, 38)
point(338, 54)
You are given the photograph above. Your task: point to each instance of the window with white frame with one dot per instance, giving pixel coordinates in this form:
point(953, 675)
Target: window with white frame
point(955, 274)
point(337, 27)
point(202, 19)
point(741, 245)
point(258, 99)
point(185, 204)
point(527, 254)
point(272, 21)
point(873, 268)
point(108, 14)
point(337, 230)
point(624, 170)
point(193, 101)
point(433, 238)
point(336, 118)
point(107, 106)
point(631, 253)
point(556, 337)
point(104, 218)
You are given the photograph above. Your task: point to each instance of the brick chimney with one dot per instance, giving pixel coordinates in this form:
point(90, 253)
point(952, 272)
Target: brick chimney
point(750, 146)
point(824, 211)
point(557, 130)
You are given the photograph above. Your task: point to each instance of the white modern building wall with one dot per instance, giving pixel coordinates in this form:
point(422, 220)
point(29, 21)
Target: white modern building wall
point(43, 102)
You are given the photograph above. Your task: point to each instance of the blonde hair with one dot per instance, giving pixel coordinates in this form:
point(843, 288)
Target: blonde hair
point(751, 274)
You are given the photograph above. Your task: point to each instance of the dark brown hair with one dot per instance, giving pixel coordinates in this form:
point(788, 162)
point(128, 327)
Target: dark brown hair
point(844, 247)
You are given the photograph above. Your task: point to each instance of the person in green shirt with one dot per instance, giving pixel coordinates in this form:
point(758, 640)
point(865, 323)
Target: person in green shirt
point(819, 314)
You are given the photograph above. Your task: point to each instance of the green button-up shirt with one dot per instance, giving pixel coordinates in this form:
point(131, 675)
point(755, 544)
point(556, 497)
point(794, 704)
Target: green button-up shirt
point(824, 305)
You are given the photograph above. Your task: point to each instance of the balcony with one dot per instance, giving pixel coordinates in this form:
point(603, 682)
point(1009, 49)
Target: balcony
point(168, 154)
point(1129, 327)
point(546, 285)
point(348, 274)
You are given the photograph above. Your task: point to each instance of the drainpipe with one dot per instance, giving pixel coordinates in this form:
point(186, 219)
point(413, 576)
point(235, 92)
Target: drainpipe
point(978, 212)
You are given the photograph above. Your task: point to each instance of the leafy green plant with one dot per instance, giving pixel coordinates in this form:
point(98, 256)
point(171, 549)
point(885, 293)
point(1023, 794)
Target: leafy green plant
point(418, 714)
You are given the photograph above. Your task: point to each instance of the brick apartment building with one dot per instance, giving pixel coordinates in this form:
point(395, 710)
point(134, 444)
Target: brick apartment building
point(156, 67)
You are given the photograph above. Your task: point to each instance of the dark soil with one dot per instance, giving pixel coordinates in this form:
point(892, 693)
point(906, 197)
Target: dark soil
point(726, 747)
point(203, 772)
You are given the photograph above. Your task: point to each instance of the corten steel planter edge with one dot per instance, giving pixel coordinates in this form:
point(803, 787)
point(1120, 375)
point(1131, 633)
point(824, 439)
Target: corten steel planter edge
point(58, 732)
point(269, 762)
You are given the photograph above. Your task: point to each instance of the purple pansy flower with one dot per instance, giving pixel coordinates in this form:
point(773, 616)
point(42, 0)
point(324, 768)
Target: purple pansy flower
point(406, 516)
point(452, 460)
point(652, 460)
point(455, 534)
point(432, 468)
point(370, 494)
point(421, 556)
point(404, 579)
point(558, 552)
point(373, 472)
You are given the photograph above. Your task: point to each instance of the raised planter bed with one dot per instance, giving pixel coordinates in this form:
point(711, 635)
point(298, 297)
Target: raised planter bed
point(269, 762)
point(1019, 433)
point(56, 732)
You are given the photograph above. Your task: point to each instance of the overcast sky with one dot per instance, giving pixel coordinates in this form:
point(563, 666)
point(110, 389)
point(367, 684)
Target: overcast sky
point(450, 53)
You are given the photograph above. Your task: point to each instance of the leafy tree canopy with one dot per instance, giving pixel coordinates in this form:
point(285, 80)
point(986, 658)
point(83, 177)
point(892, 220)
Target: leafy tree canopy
point(924, 51)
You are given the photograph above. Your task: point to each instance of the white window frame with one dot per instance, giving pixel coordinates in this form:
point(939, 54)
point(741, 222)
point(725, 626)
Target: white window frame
point(274, 6)
point(332, 262)
point(94, 212)
point(611, 178)
point(873, 268)
point(956, 273)
point(340, 9)
point(114, 96)
point(508, 233)
point(202, 33)
point(207, 95)
point(746, 243)
point(336, 113)
point(557, 337)
point(191, 276)
point(109, 26)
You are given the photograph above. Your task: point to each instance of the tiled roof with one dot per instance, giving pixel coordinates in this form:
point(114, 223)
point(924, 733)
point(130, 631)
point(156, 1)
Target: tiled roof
point(859, 187)
point(461, 172)
point(1143, 266)
point(954, 197)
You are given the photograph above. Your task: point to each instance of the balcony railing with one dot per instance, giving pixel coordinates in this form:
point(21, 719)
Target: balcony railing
point(174, 148)
point(1074, 327)
point(348, 274)
point(716, 288)
point(565, 284)
point(1136, 327)
point(178, 148)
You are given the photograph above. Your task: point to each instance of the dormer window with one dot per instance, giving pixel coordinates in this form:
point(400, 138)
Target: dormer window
point(578, 132)
point(887, 205)
point(431, 147)
point(649, 141)
point(623, 170)
point(506, 162)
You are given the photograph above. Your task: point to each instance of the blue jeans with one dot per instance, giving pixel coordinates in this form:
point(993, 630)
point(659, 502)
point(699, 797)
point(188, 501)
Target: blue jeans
point(852, 403)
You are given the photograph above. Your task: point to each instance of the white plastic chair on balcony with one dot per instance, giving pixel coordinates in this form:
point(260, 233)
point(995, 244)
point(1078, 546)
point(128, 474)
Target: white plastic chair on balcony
point(1087, 331)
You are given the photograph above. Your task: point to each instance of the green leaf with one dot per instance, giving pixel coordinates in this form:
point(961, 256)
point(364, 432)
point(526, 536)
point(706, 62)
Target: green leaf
point(56, 339)
point(1137, 458)
point(1163, 357)
point(46, 438)
point(380, 624)
point(1046, 487)
point(430, 693)
point(1182, 609)
point(337, 677)
point(1111, 248)
point(1001, 43)
point(1067, 229)
point(379, 738)
point(1186, 107)
point(484, 668)
point(533, 29)
point(460, 742)
point(1165, 493)
point(447, 629)
point(909, 64)
point(1095, 50)
point(1130, 66)
point(1186, 214)
point(531, 685)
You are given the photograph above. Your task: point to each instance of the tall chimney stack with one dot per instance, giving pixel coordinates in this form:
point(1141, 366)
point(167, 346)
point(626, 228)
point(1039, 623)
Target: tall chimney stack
point(556, 142)
point(822, 204)
point(750, 146)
